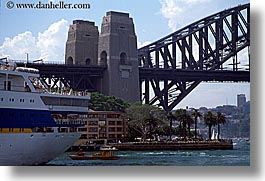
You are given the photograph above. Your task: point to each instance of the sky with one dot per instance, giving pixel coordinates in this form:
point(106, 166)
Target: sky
point(42, 33)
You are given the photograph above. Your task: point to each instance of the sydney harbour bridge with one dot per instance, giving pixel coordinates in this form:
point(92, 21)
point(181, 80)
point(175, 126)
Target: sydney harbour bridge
point(170, 68)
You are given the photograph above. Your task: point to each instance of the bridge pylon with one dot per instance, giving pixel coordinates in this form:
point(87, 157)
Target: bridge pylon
point(118, 51)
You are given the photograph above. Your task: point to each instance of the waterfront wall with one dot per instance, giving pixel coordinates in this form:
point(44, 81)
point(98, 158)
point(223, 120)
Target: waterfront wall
point(190, 145)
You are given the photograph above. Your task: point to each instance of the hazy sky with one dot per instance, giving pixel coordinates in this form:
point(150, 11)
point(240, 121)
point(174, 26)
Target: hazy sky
point(42, 33)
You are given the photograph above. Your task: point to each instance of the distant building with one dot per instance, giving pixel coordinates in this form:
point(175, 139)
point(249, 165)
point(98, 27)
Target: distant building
point(103, 125)
point(226, 109)
point(241, 100)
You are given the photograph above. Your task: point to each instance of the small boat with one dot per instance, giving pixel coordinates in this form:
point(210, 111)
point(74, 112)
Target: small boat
point(107, 153)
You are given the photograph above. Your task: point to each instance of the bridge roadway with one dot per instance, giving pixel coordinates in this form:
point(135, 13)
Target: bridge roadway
point(78, 77)
point(195, 75)
point(73, 73)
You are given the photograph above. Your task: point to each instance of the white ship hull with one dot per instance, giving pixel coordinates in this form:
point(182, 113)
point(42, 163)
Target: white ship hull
point(28, 112)
point(33, 148)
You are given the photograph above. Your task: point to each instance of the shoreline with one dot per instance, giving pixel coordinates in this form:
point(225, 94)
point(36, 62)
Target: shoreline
point(179, 145)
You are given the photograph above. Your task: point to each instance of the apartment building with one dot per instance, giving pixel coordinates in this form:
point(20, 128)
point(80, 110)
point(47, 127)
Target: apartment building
point(103, 125)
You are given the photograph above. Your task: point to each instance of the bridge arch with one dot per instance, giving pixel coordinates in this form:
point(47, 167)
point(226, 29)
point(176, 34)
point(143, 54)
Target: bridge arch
point(204, 48)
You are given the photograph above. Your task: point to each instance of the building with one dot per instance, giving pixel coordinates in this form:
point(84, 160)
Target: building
point(241, 100)
point(103, 125)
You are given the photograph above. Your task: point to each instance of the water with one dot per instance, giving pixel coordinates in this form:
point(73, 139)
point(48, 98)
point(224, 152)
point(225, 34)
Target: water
point(239, 156)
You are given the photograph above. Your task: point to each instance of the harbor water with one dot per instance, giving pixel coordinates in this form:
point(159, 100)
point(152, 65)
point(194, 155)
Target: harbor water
point(239, 156)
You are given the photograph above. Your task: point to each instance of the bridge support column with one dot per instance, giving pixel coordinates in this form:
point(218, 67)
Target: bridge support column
point(118, 50)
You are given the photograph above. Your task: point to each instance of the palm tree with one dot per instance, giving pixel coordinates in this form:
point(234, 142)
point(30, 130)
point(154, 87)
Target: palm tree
point(180, 116)
point(220, 119)
point(210, 120)
point(189, 122)
point(185, 119)
point(171, 118)
point(196, 114)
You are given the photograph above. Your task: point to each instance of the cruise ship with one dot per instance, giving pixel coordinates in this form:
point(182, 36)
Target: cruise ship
point(36, 125)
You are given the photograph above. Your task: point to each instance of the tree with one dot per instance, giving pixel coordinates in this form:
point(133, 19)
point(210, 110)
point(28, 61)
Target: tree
point(196, 114)
point(185, 119)
point(220, 119)
point(210, 120)
point(144, 119)
point(171, 118)
point(189, 121)
point(101, 102)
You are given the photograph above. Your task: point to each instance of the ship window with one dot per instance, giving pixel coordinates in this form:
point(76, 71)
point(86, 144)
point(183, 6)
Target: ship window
point(7, 85)
point(2, 99)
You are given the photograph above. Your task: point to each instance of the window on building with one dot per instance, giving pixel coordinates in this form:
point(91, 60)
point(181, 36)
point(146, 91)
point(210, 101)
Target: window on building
point(88, 61)
point(92, 129)
point(92, 123)
point(102, 123)
point(119, 129)
point(103, 58)
point(111, 135)
point(119, 122)
point(102, 129)
point(111, 122)
point(70, 61)
point(123, 58)
point(83, 136)
point(102, 136)
point(111, 129)
point(102, 116)
point(82, 129)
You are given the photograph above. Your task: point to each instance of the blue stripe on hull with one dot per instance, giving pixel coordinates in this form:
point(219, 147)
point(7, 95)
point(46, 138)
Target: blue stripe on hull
point(25, 118)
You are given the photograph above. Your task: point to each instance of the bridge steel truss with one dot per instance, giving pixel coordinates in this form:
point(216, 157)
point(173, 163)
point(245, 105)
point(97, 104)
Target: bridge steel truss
point(174, 65)
point(77, 77)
